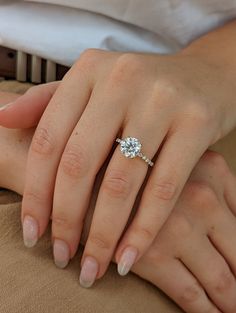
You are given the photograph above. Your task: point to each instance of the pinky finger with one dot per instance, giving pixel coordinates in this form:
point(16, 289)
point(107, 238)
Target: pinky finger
point(175, 280)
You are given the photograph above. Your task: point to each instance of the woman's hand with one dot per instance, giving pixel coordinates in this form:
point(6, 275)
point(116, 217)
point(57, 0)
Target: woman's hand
point(193, 258)
point(175, 105)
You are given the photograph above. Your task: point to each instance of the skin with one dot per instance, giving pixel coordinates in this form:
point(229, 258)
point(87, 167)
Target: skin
point(193, 258)
point(185, 103)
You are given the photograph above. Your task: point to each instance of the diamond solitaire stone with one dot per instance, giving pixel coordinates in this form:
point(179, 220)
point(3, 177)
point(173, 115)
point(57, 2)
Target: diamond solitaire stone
point(130, 147)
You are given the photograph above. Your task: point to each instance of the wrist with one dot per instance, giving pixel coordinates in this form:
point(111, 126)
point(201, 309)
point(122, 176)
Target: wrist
point(217, 47)
point(213, 56)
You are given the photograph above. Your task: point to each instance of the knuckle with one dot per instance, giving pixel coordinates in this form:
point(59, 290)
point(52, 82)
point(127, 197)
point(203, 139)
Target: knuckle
point(89, 53)
point(100, 241)
point(42, 142)
point(62, 221)
point(199, 189)
point(127, 65)
point(164, 89)
point(216, 161)
point(74, 162)
point(222, 282)
point(156, 257)
point(201, 193)
point(179, 226)
point(33, 197)
point(143, 232)
point(88, 59)
point(191, 293)
point(202, 197)
point(163, 189)
point(200, 115)
point(129, 61)
point(116, 184)
point(164, 97)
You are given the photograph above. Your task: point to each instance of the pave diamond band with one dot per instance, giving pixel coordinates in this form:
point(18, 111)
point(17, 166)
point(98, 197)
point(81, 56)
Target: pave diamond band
point(131, 147)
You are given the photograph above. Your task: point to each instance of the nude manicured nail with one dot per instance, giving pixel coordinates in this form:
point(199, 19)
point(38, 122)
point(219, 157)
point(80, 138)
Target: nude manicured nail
point(88, 272)
point(30, 231)
point(5, 106)
point(61, 253)
point(127, 260)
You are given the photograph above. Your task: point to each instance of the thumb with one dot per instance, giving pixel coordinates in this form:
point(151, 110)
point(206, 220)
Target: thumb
point(26, 111)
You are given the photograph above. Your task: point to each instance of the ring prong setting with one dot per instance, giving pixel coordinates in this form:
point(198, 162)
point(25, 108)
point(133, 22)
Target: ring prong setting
point(130, 147)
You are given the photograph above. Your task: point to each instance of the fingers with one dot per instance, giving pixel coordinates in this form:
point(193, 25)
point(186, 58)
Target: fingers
point(175, 280)
point(47, 146)
point(222, 233)
point(87, 148)
point(121, 183)
point(163, 187)
point(26, 111)
point(212, 271)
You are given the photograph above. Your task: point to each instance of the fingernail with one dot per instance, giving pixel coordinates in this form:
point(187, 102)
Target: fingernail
point(5, 106)
point(30, 231)
point(61, 253)
point(127, 260)
point(88, 272)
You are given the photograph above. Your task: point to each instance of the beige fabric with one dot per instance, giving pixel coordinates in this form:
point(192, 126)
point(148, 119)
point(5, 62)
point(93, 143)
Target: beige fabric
point(30, 282)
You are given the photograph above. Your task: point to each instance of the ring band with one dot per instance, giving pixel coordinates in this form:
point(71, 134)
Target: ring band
point(130, 147)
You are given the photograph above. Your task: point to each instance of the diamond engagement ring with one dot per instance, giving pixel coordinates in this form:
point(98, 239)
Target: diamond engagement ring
point(131, 147)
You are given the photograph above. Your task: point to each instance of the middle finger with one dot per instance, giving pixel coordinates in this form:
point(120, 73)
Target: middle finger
point(85, 151)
